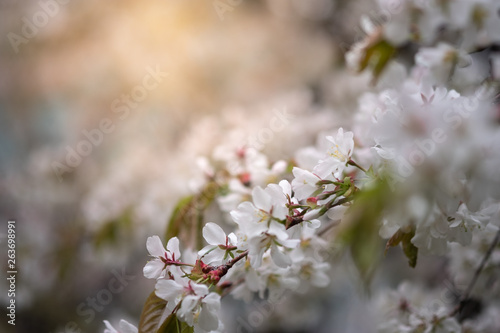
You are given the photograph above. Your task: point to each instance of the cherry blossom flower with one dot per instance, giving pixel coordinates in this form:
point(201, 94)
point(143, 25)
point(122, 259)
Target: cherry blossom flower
point(338, 154)
point(268, 207)
point(163, 258)
point(304, 183)
point(220, 248)
point(277, 240)
point(194, 303)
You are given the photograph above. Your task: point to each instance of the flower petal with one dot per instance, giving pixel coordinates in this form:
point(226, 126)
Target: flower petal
point(168, 289)
point(109, 328)
point(173, 247)
point(261, 199)
point(279, 258)
point(213, 234)
point(153, 269)
point(127, 327)
point(208, 320)
point(155, 246)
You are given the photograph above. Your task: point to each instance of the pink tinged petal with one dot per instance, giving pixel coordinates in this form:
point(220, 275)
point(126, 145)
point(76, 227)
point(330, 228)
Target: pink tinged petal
point(126, 327)
point(214, 234)
point(153, 269)
point(208, 320)
point(173, 248)
point(155, 246)
point(168, 289)
point(279, 258)
point(261, 199)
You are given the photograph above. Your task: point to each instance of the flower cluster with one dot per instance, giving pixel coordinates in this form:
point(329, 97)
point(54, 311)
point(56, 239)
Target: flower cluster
point(271, 248)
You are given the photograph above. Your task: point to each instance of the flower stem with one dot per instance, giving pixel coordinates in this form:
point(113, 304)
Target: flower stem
point(351, 162)
point(235, 260)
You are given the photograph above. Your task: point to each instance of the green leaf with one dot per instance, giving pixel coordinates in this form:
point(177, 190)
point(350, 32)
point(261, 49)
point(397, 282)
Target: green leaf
point(410, 250)
point(187, 219)
point(173, 325)
point(394, 240)
point(359, 233)
point(377, 56)
point(179, 216)
point(114, 230)
point(151, 314)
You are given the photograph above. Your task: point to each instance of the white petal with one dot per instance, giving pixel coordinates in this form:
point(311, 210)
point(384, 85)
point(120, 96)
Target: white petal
point(255, 255)
point(204, 250)
point(337, 213)
point(312, 214)
point(286, 187)
point(153, 269)
point(168, 289)
point(320, 279)
point(261, 199)
point(279, 258)
point(199, 289)
point(173, 247)
point(214, 234)
point(109, 328)
point(214, 257)
point(188, 304)
point(326, 167)
point(244, 214)
point(208, 320)
point(233, 240)
point(155, 246)
point(126, 327)
point(252, 280)
point(277, 230)
point(314, 223)
point(213, 300)
point(290, 243)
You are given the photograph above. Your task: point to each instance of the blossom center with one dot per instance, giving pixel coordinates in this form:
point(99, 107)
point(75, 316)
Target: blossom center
point(335, 152)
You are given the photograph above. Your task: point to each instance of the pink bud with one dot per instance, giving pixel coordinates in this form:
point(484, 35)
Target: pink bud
point(312, 200)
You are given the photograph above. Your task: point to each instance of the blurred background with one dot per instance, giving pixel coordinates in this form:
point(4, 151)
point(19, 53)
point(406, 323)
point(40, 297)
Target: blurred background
point(155, 84)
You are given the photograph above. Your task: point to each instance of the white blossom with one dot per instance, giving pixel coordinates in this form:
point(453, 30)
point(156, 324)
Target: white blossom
point(338, 154)
point(163, 258)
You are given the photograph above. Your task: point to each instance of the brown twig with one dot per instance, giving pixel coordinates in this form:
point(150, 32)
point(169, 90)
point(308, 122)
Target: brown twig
point(478, 271)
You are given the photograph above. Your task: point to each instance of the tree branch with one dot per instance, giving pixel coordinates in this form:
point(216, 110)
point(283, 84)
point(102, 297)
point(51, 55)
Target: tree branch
point(466, 294)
